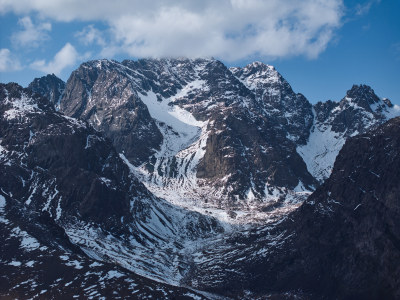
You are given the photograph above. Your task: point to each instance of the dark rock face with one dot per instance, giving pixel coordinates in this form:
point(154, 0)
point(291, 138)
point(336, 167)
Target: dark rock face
point(246, 141)
point(342, 243)
point(50, 87)
point(164, 76)
point(361, 199)
point(291, 111)
point(102, 93)
point(85, 174)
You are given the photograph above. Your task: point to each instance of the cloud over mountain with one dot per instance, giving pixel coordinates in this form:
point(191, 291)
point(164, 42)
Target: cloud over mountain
point(7, 61)
point(232, 29)
point(67, 56)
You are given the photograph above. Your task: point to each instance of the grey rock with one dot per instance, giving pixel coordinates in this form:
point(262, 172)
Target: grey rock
point(50, 87)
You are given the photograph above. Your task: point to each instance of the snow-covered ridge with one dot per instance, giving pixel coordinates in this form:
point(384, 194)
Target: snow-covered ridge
point(256, 75)
point(328, 136)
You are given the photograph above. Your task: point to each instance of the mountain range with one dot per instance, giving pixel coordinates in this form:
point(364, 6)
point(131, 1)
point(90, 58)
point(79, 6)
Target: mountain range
point(185, 178)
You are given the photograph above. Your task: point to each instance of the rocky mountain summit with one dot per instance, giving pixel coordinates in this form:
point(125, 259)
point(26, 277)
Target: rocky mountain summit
point(220, 144)
point(50, 87)
point(359, 111)
point(274, 94)
point(201, 135)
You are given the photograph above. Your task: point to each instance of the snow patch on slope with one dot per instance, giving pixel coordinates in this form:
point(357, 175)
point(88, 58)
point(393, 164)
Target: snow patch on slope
point(183, 127)
point(160, 239)
point(184, 138)
point(321, 150)
point(324, 144)
point(2, 206)
point(173, 172)
point(20, 107)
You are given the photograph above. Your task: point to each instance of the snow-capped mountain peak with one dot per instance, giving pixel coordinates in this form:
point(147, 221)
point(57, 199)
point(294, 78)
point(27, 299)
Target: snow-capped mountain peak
point(192, 128)
point(362, 95)
point(359, 111)
point(258, 75)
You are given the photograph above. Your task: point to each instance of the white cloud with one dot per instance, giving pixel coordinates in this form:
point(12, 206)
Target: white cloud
point(31, 34)
point(363, 9)
point(228, 29)
point(64, 58)
point(69, 10)
point(90, 35)
point(8, 62)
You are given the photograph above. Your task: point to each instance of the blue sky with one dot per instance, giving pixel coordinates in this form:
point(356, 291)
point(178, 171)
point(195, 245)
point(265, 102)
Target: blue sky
point(320, 47)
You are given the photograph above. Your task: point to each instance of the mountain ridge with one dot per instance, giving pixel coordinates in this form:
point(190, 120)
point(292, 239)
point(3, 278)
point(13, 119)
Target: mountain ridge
point(246, 119)
point(221, 202)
